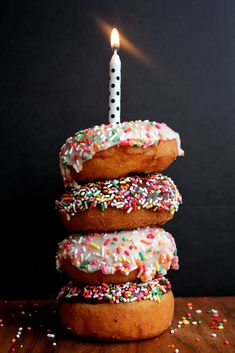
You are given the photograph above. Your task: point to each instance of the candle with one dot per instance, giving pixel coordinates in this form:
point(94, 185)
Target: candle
point(114, 81)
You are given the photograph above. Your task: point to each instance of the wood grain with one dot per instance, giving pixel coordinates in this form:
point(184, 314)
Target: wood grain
point(37, 319)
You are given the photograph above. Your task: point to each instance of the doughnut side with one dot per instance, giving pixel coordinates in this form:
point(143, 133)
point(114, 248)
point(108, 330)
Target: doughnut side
point(111, 219)
point(98, 276)
point(122, 322)
point(119, 161)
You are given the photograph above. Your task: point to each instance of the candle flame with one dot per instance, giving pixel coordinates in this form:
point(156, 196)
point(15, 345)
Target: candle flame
point(126, 44)
point(114, 38)
point(129, 47)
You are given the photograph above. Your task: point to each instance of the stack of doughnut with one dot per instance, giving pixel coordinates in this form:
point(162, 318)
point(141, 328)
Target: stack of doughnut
point(116, 254)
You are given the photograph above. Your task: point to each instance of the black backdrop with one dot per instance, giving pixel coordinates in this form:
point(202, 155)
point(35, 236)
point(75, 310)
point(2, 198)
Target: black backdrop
point(54, 81)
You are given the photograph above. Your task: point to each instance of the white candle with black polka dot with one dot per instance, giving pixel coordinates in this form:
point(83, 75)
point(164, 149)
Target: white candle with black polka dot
point(114, 81)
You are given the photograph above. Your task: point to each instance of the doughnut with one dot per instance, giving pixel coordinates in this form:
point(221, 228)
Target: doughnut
point(125, 203)
point(114, 151)
point(117, 257)
point(120, 312)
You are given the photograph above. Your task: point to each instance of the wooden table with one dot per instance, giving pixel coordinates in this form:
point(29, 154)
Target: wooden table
point(33, 327)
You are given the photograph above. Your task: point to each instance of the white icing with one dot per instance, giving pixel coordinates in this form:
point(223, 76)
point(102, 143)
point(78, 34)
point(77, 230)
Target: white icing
point(86, 143)
point(151, 250)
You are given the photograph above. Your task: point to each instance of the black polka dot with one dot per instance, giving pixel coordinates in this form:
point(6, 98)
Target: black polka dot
point(112, 100)
point(117, 108)
point(112, 85)
point(112, 115)
point(112, 70)
point(109, 108)
point(118, 78)
point(118, 93)
point(109, 93)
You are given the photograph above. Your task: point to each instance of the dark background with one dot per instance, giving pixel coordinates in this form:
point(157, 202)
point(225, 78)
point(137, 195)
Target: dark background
point(54, 81)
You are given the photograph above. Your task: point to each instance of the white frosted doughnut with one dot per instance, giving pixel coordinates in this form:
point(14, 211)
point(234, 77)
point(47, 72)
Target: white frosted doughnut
point(86, 143)
point(152, 250)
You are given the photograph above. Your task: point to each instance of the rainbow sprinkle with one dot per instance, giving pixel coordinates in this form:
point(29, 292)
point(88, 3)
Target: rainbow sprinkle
point(154, 191)
point(116, 293)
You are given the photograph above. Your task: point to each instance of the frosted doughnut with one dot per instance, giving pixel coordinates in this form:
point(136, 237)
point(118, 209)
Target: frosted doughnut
point(124, 203)
point(118, 257)
point(123, 312)
point(113, 151)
